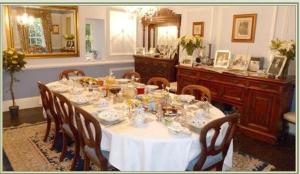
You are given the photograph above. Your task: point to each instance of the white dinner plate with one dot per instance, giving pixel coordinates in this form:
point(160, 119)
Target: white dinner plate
point(151, 87)
point(79, 100)
point(186, 98)
point(110, 115)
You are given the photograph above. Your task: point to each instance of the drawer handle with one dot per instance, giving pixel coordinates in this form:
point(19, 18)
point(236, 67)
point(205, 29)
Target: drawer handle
point(263, 86)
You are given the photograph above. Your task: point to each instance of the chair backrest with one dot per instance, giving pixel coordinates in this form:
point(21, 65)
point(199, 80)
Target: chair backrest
point(90, 130)
point(66, 73)
point(197, 90)
point(129, 74)
point(211, 148)
point(65, 111)
point(48, 102)
point(161, 82)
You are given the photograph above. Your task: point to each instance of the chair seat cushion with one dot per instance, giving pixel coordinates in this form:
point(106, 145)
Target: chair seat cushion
point(68, 130)
point(290, 116)
point(91, 153)
point(210, 160)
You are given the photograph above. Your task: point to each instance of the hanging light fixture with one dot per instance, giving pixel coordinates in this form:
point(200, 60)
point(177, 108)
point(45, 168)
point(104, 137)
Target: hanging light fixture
point(142, 11)
point(25, 19)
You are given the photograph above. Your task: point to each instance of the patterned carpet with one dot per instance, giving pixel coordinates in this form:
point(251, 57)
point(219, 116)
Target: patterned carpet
point(26, 151)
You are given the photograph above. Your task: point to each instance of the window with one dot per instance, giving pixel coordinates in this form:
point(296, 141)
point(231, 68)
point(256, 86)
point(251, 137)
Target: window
point(88, 41)
point(36, 34)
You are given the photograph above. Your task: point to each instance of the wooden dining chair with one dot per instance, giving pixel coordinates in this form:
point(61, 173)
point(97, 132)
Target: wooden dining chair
point(197, 90)
point(212, 155)
point(49, 110)
point(66, 73)
point(65, 112)
point(129, 74)
point(161, 82)
point(90, 131)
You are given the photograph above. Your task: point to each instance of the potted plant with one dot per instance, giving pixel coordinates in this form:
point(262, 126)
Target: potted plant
point(284, 48)
point(13, 61)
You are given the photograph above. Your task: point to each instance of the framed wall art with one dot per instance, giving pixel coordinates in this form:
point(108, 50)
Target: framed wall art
point(240, 62)
point(222, 58)
point(55, 29)
point(277, 65)
point(198, 29)
point(243, 29)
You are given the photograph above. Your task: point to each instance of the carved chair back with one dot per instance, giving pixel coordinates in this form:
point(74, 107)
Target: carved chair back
point(91, 133)
point(197, 90)
point(208, 149)
point(65, 111)
point(66, 73)
point(161, 82)
point(47, 102)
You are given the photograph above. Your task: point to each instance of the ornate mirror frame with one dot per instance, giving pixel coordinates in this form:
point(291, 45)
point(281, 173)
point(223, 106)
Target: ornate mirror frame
point(10, 33)
point(163, 17)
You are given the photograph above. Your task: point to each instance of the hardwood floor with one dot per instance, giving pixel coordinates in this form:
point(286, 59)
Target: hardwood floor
point(282, 155)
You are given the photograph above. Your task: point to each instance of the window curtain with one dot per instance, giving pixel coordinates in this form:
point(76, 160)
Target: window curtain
point(46, 19)
point(23, 34)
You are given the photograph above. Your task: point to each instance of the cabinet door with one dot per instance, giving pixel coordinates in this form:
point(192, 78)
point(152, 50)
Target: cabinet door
point(261, 111)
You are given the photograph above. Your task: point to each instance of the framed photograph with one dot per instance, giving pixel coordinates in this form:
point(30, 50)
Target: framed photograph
point(198, 29)
point(243, 29)
point(222, 58)
point(187, 61)
point(55, 29)
point(277, 65)
point(256, 63)
point(240, 62)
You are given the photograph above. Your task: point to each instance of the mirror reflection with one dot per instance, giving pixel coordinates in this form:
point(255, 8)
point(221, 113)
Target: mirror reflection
point(43, 30)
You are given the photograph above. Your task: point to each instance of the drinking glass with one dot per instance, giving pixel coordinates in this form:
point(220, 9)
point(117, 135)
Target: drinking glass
point(114, 90)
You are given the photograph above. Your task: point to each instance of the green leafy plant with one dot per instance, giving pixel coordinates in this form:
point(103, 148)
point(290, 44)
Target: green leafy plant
point(190, 43)
point(284, 48)
point(13, 61)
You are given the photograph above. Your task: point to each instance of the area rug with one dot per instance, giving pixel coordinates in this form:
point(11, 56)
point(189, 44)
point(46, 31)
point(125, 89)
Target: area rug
point(26, 151)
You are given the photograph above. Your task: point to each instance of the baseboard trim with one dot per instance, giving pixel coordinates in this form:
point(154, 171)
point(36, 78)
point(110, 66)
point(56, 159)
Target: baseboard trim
point(23, 103)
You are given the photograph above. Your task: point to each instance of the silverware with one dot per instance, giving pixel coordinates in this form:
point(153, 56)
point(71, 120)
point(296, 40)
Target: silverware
point(115, 123)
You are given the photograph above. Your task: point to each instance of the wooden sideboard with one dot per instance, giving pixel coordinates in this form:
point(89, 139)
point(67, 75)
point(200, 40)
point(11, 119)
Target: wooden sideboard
point(260, 101)
point(149, 66)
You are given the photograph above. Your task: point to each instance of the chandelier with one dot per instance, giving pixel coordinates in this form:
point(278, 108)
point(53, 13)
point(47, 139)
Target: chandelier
point(25, 19)
point(142, 11)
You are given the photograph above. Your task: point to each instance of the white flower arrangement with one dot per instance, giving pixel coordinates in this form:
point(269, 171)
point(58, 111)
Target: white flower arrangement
point(284, 48)
point(190, 43)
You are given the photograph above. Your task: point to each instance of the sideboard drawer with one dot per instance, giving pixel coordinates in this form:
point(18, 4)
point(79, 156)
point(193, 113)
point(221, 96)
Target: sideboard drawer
point(186, 72)
point(234, 81)
point(264, 86)
point(234, 94)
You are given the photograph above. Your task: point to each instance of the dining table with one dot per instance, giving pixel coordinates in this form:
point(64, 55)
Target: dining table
point(148, 147)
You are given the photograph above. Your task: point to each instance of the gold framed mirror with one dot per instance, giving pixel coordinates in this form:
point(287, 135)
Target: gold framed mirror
point(43, 31)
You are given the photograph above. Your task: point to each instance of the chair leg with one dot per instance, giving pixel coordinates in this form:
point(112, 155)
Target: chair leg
point(86, 163)
point(64, 148)
point(47, 129)
point(76, 155)
point(219, 167)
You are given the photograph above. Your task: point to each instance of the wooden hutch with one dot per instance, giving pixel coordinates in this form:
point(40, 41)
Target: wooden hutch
point(261, 101)
point(150, 66)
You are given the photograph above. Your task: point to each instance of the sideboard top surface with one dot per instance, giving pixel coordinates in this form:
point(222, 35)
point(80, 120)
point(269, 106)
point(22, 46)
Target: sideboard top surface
point(289, 79)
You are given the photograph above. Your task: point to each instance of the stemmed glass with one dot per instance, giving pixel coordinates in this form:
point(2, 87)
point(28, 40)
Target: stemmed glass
point(115, 90)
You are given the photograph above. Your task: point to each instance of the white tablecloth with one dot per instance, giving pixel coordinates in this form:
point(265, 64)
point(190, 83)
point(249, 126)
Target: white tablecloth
point(153, 147)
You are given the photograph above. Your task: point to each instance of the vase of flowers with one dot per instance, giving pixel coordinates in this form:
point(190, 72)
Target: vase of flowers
point(189, 43)
point(13, 61)
point(284, 48)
